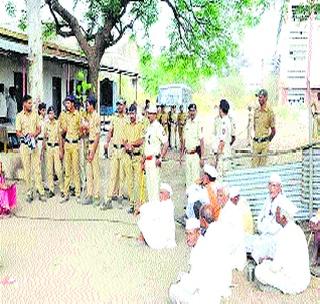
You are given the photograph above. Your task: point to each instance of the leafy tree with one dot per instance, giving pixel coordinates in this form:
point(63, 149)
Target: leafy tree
point(204, 34)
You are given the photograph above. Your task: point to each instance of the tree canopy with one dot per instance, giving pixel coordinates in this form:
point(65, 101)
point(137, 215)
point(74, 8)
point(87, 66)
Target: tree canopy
point(203, 35)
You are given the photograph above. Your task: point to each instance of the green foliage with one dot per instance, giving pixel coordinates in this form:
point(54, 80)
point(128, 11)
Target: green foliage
point(83, 88)
point(11, 9)
point(203, 39)
point(304, 11)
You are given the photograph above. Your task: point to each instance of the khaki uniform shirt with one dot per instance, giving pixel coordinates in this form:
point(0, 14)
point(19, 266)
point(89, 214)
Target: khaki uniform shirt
point(94, 124)
point(134, 132)
point(164, 118)
point(73, 121)
point(192, 134)
point(174, 118)
point(43, 122)
point(181, 118)
point(263, 121)
point(62, 121)
point(27, 122)
point(155, 136)
point(51, 131)
point(118, 123)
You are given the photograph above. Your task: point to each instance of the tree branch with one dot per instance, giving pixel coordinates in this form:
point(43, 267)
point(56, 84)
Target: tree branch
point(72, 23)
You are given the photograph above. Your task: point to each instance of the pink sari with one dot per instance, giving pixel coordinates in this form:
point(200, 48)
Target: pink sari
point(8, 197)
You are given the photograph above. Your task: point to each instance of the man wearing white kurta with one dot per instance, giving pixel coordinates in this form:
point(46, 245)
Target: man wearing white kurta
point(262, 245)
point(222, 138)
point(155, 148)
point(289, 270)
point(210, 272)
point(232, 218)
point(192, 143)
point(156, 221)
point(243, 208)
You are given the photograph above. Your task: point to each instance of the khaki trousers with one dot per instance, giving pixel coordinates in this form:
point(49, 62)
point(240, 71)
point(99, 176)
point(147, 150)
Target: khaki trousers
point(259, 148)
point(180, 132)
point(72, 167)
point(152, 180)
point(192, 168)
point(53, 166)
point(31, 167)
point(133, 176)
point(93, 176)
point(84, 144)
point(116, 176)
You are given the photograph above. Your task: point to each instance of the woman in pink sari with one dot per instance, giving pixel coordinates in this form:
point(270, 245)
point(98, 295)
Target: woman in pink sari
point(8, 195)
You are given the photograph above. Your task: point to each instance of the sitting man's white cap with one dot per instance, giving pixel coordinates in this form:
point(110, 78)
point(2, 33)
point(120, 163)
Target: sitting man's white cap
point(192, 223)
point(288, 209)
point(234, 191)
point(275, 178)
point(166, 187)
point(152, 109)
point(210, 170)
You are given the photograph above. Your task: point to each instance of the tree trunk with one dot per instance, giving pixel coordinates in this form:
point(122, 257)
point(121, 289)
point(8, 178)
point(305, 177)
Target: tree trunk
point(35, 60)
point(93, 75)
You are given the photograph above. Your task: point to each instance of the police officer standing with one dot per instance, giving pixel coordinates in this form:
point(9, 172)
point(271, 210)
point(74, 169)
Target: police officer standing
point(192, 146)
point(116, 134)
point(71, 128)
point(264, 129)
point(51, 142)
point(134, 134)
point(181, 121)
point(164, 119)
point(93, 172)
point(155, 148)
point(27, 129)
point(173, 124)
point(222, 136)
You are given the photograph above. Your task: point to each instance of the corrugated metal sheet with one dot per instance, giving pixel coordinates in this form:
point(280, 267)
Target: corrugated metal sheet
point(295, 183)
point(254, 181)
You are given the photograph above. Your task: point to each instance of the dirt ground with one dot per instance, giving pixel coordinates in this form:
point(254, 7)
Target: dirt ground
point(52, 253)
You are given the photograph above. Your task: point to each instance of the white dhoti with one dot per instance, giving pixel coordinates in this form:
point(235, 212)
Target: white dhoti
point(260, 246)
point(279, 279)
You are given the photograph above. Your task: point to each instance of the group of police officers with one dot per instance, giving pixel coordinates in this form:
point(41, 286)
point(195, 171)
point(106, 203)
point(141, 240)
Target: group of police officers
point(67, 148)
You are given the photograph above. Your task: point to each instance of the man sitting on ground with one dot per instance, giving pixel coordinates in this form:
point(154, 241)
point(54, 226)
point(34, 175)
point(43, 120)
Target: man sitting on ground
point(243, 208)
point(262, 245)
point(203, 192)
point(210, 274)
point(231, 217)
point(156, 221)
point(289, 270)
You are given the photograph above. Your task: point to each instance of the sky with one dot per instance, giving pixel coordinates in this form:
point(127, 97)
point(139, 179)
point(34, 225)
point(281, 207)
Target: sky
point(258, 43)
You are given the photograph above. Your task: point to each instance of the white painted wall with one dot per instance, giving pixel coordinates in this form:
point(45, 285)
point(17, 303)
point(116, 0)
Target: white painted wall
point(50, 69)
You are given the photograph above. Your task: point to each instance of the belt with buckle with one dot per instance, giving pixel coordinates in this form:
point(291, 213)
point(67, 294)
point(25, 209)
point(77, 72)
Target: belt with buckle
point(118, 146)
point(53, 145)
point(40, 138)
point(91, 142)
point(134, 153)
point(72, 141)
point(261, 139)
point(191, 151)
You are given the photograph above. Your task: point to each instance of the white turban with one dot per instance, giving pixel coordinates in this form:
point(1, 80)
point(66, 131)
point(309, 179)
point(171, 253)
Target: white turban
point(275, 178)
point(210, 170)
point(166, 187)
point(234, 191)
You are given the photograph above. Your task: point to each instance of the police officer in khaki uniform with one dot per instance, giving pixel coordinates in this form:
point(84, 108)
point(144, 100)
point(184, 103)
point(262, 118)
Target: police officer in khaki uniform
point(93, 172)
point(174, 127)
point(51, 141)
point(134, 133)
point(164, 119)
point(222, 138)
point(27, 129)
point(192, 146)
point(42, 148)
point(155, 148)
point(116, 134)
point(315, 108)
point(181, 121)
point(84, 146)
point(72, 132)
point(264, 129)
